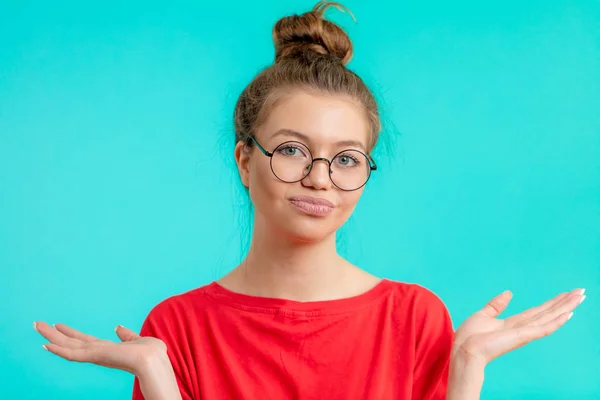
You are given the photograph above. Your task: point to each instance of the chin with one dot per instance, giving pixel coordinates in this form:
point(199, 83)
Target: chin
point(304, 230)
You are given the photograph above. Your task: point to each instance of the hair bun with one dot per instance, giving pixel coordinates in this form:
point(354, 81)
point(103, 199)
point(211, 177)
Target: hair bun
point(296, 35)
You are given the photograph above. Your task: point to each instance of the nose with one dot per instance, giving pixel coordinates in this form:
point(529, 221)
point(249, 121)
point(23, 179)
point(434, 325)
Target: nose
point(318, 175)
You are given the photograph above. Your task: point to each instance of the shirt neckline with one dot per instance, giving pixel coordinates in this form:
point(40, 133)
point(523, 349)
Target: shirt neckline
point(271, 305)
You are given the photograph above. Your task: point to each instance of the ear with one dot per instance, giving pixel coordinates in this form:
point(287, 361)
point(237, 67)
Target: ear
point(242, 159)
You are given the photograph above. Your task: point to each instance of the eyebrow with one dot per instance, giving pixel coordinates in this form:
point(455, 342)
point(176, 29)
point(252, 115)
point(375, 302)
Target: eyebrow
point(305, 138)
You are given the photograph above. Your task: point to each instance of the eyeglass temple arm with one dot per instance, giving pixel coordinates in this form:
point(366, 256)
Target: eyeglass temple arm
point(373, 165)
point(262, 149)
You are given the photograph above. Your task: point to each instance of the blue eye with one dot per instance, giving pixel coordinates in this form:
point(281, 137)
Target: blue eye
point(346, 160)
point(291, 151)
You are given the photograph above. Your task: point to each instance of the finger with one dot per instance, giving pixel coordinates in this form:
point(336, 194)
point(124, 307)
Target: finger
point(125, 334)
point(91, 353)
point(56, 337)
point(506, 341)
point(73, 333)
point(70, 354)
point(530, 333)
point(532, 312)
point(497, 304)
point(566, 306)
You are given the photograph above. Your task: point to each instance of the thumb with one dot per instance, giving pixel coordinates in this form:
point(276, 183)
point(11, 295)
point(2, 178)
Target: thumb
point(497, 304)
point(125, 334)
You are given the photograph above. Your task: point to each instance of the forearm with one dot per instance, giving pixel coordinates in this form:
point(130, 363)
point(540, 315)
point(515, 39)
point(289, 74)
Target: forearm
point(157, 380)
point(465, 379)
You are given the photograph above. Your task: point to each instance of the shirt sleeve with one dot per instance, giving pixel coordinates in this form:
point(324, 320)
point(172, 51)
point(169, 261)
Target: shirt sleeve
point(160, 324)
point(434, 338)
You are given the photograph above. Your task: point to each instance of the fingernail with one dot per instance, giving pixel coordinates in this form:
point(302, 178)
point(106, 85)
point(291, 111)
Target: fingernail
point(35, 325)
point(117, 327)
point(580, 291)
point(582, 299)
point(44, 347)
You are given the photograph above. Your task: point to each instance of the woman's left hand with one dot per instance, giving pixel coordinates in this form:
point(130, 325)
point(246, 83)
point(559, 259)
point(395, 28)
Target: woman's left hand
point(483, 337)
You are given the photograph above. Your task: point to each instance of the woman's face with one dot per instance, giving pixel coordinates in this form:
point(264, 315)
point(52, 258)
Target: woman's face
point(313, 208)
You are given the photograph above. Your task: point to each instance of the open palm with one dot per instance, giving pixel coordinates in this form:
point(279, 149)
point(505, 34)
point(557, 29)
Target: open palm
point(484, 337)
point(130, 355)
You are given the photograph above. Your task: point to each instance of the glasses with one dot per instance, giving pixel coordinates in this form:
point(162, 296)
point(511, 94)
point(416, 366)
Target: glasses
point(292, 161)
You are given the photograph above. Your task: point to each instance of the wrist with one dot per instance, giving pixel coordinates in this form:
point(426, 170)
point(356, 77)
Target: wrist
point(461, 355)
point(152, 364)
point(466, 377)
point(157, 378)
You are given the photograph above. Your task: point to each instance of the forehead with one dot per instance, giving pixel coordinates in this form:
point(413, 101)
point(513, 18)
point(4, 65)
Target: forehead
point(324, 119)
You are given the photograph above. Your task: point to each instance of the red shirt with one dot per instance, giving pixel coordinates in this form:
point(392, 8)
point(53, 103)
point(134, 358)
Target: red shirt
point(392, 342)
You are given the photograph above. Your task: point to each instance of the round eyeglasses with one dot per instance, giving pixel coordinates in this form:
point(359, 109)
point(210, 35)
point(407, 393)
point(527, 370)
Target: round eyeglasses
point(292, 161)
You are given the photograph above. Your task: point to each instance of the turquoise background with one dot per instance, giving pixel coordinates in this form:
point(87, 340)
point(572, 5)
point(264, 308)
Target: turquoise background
point(116, 156)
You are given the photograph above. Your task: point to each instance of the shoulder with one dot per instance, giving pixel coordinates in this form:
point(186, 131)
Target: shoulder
point(176, 309)
point(421, 302)
point(416, 293)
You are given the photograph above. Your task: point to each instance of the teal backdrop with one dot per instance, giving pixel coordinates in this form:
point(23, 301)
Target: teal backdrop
point(118, 188)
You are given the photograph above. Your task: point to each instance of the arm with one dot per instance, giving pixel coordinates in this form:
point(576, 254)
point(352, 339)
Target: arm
point(166, 371)
point(483, 337)
point(157, 380)
point(434, 336)
point(466, 378)
point(145, 357)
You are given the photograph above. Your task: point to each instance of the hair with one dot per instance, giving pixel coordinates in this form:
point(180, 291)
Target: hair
point(311, 54)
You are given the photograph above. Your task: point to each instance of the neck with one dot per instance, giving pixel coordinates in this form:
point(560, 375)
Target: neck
point(277, 266)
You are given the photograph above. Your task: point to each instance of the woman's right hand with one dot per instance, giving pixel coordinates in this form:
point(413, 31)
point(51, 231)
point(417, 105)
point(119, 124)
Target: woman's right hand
point(135, 354)
point(145, 357)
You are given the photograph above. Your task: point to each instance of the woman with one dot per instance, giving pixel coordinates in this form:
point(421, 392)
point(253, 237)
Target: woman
point(294, 319)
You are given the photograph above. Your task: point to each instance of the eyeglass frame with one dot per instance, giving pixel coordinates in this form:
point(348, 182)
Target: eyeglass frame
point(372, 165)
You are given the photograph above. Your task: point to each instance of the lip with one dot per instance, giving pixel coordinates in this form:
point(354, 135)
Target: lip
point(312, 205)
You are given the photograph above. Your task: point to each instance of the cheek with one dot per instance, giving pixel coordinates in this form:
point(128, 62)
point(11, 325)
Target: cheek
point(349, 200)
point(264, 188)
point(268, 197)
